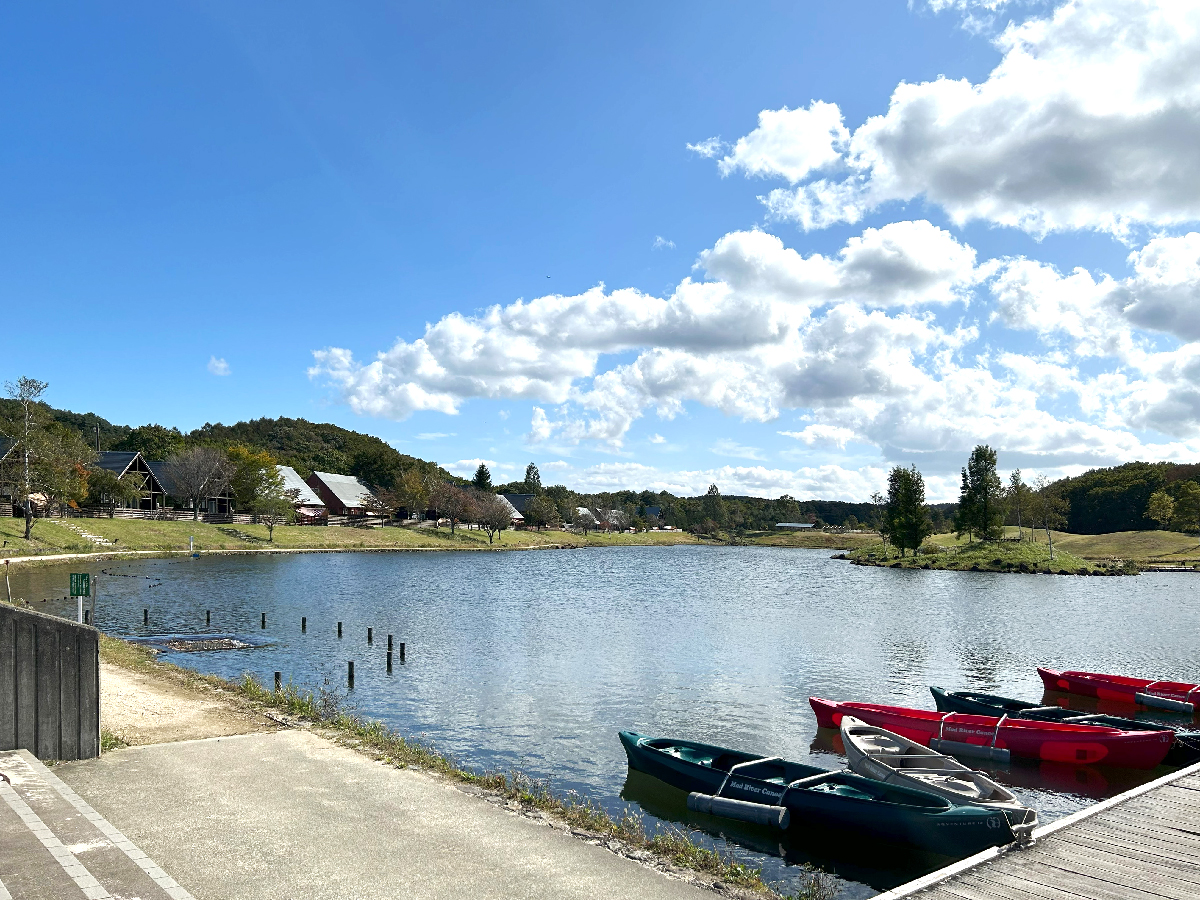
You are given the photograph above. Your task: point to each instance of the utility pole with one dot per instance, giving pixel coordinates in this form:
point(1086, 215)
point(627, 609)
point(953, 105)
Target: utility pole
point(97, 438)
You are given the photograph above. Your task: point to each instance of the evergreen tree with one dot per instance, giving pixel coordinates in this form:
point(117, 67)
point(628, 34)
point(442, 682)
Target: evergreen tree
point(533, 479)
point(981, 497)
point(905, 520)
point(483, 479)
point(713, 507)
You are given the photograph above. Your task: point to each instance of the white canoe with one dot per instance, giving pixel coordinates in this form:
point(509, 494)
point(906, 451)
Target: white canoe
point(885, 756)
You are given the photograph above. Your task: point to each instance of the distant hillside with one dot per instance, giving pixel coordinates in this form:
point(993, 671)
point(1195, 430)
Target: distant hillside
point(310, 446)
point(1115, 499)
point(85, 423)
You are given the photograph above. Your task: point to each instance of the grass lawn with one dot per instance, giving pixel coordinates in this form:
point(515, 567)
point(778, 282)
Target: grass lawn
point(1141, 547)
point(815, 540)
point(992, 556)
point(59, 536)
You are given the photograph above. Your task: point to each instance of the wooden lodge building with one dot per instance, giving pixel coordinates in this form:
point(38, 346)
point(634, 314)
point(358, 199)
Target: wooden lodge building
point(343, 495)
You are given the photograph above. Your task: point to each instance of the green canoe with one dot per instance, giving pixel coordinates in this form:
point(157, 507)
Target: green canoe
point(813, 796)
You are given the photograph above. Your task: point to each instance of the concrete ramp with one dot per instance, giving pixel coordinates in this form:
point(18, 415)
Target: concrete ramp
point(53, 846)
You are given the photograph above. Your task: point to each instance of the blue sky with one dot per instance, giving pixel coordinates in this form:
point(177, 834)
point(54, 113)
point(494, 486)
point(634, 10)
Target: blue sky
point(196, 198)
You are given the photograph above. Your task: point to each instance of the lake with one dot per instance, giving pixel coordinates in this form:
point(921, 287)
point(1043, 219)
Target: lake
point(534, 660)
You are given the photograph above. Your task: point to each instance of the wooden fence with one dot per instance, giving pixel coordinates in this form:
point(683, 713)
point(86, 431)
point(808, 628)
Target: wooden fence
point(49, 685)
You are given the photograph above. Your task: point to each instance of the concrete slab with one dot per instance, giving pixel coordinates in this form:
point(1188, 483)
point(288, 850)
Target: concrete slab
point(290, 814)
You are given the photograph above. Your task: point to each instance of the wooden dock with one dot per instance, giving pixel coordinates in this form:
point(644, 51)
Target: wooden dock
point(1140, 845)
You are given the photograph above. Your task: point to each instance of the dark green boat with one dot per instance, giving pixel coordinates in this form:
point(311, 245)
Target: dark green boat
point(814, 796)
point(1185, 749)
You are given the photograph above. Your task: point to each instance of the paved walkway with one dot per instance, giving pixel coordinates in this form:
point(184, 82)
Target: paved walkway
point(1140, 845)
point(54, 846)
point(291, 815)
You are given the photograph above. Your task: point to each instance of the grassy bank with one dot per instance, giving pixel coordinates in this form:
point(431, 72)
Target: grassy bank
point(62, 536)
point(989, 556)
point(327, 711)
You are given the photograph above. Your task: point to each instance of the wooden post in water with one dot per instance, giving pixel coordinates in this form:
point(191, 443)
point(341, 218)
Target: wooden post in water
point(264, 620)
point(145, 617)
point(402, 651)
point(87, 617)
point(389, 643)
point(350, 674)
point(303, 624)
point(339, 629)
point(370, 635)
point(389, 662)
point(207, 617)
point(278, 681)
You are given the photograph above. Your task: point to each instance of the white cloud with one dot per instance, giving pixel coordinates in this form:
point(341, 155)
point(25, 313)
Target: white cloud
point(434, 435)
point(831, 435)
point(465, 468)
point(709, 149)
point(218, 366)
point(790, 142)
point(657, 439)
point(727, 447)
point(1090, 121)
point(661, 243)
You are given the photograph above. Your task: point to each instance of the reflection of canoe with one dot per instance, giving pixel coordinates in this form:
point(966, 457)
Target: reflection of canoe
point(878, 753)
point(968, 735)
point(880, 864)
point(1184, 751)
point(811, 795)
point(1178, 696)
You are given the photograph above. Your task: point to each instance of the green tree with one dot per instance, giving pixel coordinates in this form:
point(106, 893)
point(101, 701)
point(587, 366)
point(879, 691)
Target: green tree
point(533, 480)
point(60, 466)
point(253, 474)
point(905, 521)
point(106, 490)
point(1161, 508)
point(540, 512)
point(980, 501)
point(1018, 499)
point(1187, 506)
point(483, 478)
point(712, 507)
point(153, 442)
point(275, 506)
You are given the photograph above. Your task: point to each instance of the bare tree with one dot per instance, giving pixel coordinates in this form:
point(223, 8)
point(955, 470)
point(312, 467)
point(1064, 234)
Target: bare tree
point(197, 474)
point(28, 393)
point(492, 513)
point(1048, 507)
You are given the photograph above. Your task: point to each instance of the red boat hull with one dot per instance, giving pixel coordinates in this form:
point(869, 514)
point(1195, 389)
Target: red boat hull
point(1117, 687)
point(1028, 738)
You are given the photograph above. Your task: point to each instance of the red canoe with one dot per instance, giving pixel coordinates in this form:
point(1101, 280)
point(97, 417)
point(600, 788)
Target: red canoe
point(1178, 695)
point(1029, 738)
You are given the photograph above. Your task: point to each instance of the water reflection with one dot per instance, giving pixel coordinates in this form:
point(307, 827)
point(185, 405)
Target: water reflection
point(536, 660)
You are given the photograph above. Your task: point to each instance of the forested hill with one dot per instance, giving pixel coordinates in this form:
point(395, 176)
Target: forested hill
point(311, 446)
point(1107, 500)
point(84, 423)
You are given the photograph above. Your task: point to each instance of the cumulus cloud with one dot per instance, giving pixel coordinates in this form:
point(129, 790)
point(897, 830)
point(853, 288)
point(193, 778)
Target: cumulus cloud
point(217, 366)
point(1089, 121)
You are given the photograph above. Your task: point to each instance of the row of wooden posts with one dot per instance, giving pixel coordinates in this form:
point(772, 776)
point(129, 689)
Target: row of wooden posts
point(304, 630)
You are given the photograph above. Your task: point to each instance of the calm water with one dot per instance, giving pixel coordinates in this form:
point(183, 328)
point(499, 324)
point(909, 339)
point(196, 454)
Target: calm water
point(535, 660)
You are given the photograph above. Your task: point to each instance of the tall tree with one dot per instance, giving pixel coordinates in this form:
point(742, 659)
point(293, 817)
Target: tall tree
point(153, 442)
point(905, 520)
point(196, 475)
point(1018, 499)
point(60, 468)
point(1049, 507)
point(27, 431)
point(1187, 506)
point(713, 507)
point(540, 512)
point(980, 502)
point(483, 479)
point(533, 479)
point(1161, 508)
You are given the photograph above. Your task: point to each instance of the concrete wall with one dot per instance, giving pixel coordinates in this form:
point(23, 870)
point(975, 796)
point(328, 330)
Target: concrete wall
point(49, 685)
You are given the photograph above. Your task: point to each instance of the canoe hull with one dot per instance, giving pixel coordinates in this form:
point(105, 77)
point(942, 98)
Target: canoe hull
point(930, 823)
point(1030, 739)
point(1121, 688)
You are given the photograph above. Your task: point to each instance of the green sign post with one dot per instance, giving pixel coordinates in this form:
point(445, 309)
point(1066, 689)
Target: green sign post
point(81, 584)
